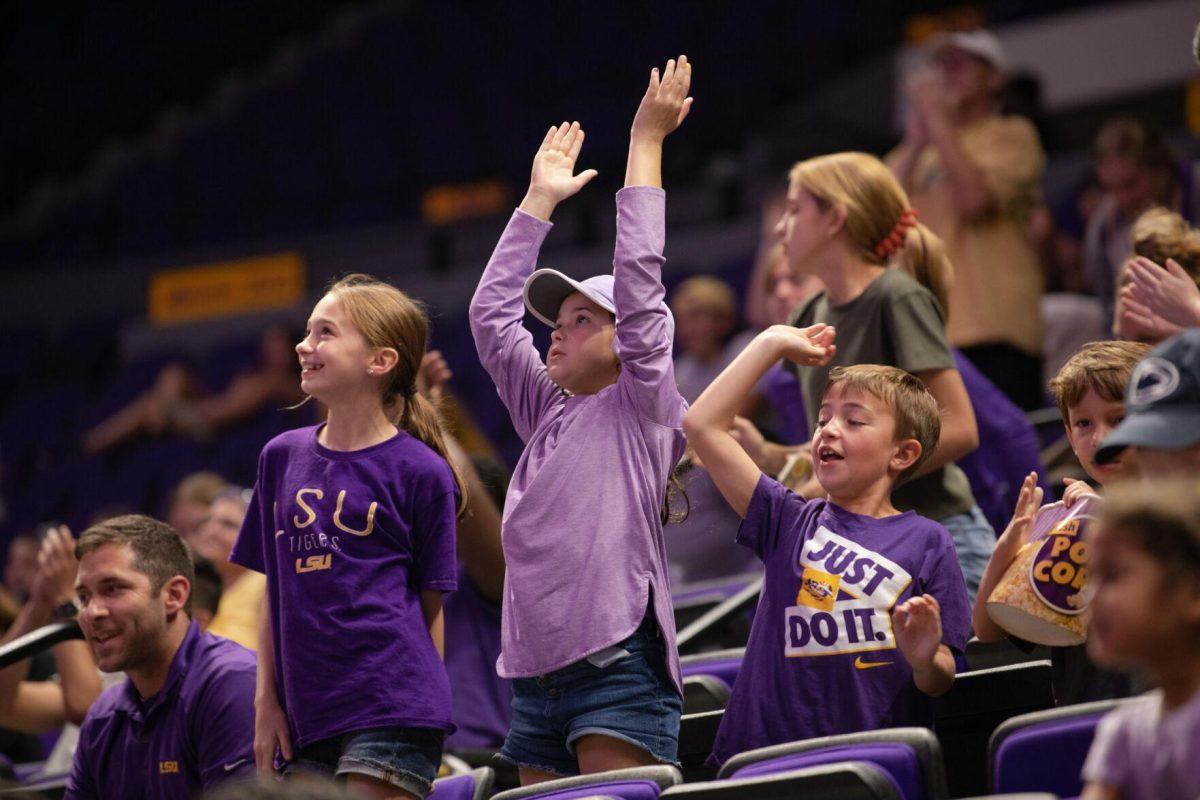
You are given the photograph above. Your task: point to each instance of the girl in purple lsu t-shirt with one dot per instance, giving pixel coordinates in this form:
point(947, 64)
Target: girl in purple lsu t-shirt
point(587, 630)
point(353, 523)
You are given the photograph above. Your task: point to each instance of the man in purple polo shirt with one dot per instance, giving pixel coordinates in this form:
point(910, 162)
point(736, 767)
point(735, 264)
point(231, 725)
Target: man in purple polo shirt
point(183, 720)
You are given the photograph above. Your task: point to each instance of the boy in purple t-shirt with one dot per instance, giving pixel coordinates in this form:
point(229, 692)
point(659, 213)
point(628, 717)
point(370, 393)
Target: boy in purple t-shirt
point(1145, 565)
point(862, 606)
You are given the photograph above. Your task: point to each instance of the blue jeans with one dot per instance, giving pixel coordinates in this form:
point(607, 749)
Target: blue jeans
point(974, 541)
point(407, 758)
point(632, 699)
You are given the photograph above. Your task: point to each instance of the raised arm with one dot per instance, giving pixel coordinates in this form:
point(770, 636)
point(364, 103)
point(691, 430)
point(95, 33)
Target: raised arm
point(505, 348)
point(644, 327)
point(708, 422)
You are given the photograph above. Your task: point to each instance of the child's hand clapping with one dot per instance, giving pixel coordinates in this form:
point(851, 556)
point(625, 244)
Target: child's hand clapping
point(666, 103)
point(553, 178)
point(918, 625)
point(54, 582)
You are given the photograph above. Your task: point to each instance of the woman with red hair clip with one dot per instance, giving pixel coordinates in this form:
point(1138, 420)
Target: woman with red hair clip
point(887, 279)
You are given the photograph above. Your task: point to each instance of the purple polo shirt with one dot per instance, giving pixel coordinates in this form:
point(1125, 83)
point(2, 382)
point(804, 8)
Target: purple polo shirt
point(195, 733)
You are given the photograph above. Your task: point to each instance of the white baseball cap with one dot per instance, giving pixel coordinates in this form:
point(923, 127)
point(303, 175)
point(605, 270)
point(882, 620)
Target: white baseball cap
point(980, 43)
point(545, 290)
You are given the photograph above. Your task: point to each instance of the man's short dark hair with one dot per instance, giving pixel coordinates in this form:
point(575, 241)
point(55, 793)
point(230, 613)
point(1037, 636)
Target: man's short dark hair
point(158, 552)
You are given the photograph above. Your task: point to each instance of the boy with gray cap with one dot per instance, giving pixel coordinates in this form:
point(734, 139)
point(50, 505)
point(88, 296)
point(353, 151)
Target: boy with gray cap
point(1162, 404)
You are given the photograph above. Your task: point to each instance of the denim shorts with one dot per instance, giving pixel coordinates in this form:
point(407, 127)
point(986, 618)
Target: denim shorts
point(632, 699)
point(974, 541)
point(407, 758)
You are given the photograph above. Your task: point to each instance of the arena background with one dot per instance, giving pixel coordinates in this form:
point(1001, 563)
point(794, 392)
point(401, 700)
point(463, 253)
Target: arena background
point(179, 175)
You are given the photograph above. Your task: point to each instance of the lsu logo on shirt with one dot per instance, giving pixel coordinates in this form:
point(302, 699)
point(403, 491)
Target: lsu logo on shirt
point(845, 599)
point(314, 563)
point(168, 767)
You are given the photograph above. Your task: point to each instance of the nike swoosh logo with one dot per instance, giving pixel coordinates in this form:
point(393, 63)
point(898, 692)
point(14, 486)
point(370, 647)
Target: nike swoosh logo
point(236, 764)
point(860, 664)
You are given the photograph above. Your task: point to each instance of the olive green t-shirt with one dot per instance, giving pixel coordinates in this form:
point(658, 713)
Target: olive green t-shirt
point(896, 322)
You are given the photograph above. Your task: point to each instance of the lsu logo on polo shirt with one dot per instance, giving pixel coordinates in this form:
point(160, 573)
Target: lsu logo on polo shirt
point(846, 595)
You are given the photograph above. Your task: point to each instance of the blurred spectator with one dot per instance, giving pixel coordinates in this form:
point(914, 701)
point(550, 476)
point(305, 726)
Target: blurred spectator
point(1136, 170)
point(206, 592)
point(188, 506)
point(705, 310)
point(242, 591)
point(39, 707)
point(974, 177)
point(703, 545)
point(1160, 286)
point(21, 566)
point(176, 403)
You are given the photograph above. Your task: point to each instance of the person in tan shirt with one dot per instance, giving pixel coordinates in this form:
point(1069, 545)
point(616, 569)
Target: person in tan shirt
point(973, 176)
point(243, 590)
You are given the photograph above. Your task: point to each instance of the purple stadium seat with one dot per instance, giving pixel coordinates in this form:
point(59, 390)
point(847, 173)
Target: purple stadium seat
point(1044, 751)
point(722, 664)
point(910, 757)
point(473, 785)
point(639, 783)
point(843, 780)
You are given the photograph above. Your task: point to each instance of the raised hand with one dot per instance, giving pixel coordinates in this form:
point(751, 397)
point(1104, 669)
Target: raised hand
point(666, 104)
point(433, 375)
point(1167, 292)
point(54, 582)
point(553, 178)
point(918, 626)
point(809, 347)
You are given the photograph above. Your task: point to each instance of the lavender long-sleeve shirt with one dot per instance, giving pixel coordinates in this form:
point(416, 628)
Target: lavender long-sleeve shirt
point(582, 534)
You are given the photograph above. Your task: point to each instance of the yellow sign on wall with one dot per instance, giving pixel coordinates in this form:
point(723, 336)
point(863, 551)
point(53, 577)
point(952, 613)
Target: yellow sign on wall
point(190, 294)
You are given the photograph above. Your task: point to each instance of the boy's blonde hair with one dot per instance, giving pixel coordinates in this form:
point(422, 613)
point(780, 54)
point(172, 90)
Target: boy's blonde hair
point(1162, 518)
point(1159, 234)
point(913, 407)
point(873, 199)
point(1103, 367)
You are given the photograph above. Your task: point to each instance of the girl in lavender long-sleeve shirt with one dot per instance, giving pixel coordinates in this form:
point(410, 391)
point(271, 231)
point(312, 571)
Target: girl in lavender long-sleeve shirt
point(587, 628)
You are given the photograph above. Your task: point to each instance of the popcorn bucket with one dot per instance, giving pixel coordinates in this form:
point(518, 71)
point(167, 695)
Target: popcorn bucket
point(1045, 593)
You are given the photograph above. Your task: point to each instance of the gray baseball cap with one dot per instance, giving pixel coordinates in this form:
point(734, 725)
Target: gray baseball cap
point(1162, 400)
point(545, 290)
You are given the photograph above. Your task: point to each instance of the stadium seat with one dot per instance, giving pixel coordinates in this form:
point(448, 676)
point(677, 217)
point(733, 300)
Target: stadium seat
point(473, 785)
point(725, 625)
point(845, 780)
point(979, 700)
point(638, 783)
point(1045, 750)
point(704, 693)
point(720, 664)
point(910, 757)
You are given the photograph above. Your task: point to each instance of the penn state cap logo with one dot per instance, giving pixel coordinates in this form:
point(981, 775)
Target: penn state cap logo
point(1153, 379)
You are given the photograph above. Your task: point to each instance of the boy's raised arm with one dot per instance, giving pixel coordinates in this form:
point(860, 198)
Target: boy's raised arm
point(708, 422)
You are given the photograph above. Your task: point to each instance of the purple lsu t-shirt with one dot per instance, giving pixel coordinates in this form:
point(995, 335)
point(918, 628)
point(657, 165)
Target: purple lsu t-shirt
point(822, 657)
point(482, 699)
point(195, 733)
point(348, 541)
